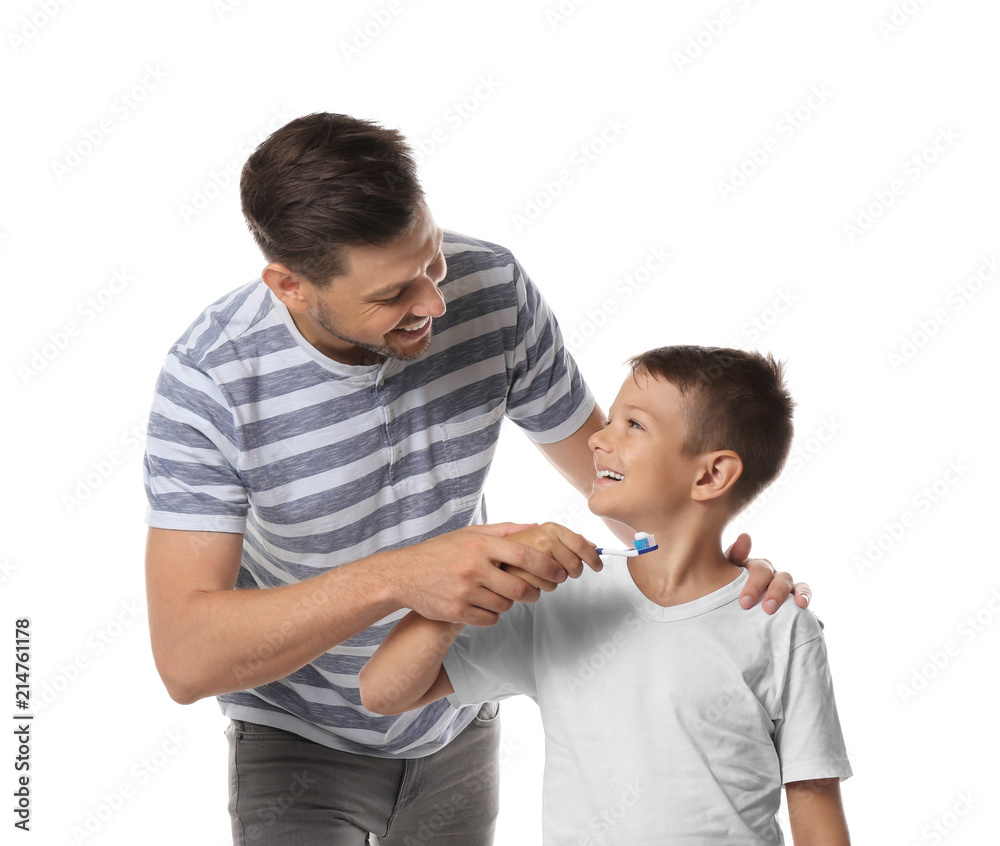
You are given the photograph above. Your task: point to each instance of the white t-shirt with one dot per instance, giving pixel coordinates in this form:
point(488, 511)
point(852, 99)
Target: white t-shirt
point(662, 725)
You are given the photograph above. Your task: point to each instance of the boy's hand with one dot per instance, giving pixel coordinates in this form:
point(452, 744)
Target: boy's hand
point(763, 577)
point(567, 547)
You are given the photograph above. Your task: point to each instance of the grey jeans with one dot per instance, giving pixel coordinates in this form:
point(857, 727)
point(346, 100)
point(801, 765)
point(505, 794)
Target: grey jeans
point(284, 789)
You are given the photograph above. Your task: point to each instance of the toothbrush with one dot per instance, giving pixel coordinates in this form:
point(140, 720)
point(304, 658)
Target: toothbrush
point(644, 542)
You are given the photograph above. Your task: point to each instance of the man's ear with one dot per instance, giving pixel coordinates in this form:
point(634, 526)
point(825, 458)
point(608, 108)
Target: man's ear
point(717, 473)
point(287, 286)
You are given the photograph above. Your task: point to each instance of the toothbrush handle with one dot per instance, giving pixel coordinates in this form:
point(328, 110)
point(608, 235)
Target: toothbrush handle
point(628, 553)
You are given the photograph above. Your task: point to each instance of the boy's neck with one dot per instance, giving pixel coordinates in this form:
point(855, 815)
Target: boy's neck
point(688, 564)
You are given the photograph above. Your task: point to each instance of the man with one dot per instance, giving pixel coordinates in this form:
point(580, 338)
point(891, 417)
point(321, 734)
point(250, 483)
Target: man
point(319, 440)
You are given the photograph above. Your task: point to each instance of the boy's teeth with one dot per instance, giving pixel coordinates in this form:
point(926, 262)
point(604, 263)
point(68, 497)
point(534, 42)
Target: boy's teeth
point(609, 474)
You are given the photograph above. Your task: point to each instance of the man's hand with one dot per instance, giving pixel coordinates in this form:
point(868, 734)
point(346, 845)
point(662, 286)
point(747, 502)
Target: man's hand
point(763, 577)
point(567, 547)
point(458, 577)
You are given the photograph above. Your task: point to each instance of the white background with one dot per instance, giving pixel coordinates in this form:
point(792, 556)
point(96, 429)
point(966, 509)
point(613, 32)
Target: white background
point(121, 120)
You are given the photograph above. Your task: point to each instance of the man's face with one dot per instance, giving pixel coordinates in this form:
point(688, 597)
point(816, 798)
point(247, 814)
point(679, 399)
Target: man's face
point(642, 444)
point(386, 302)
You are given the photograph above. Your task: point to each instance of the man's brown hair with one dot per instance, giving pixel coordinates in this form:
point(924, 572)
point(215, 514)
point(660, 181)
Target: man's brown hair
point(325, 182)
point(733, 400)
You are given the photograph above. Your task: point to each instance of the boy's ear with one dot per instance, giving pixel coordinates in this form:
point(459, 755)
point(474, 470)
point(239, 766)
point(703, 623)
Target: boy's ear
point(287, 286)
point(717, 473)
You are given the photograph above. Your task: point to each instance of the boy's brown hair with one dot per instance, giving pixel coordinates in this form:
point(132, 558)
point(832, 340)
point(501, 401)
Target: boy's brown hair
point(734, 400)
point(325, 182)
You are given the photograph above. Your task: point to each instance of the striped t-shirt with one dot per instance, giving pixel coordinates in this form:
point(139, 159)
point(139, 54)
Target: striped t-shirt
point(319, 463)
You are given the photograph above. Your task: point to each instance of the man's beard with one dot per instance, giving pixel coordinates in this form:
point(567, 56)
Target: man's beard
point(325, 319)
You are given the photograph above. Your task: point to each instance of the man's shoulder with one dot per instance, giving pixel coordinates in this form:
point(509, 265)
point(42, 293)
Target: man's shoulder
point(223, 324)
point(467, 255)
point(457, 242)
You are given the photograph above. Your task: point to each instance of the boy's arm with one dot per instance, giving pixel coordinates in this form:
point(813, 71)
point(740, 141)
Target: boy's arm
point(406, 671)
point(816, 813)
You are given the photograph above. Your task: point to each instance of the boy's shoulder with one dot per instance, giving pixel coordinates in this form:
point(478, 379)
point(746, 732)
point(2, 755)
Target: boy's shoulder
point(789, 627)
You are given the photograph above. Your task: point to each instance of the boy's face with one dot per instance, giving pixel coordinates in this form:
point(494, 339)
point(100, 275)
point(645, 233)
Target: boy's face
point(641, 446)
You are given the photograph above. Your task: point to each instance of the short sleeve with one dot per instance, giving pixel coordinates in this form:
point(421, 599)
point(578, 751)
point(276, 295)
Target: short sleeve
point(190, 467)
point(548, 397)
point(493, 663)
point(809, 739)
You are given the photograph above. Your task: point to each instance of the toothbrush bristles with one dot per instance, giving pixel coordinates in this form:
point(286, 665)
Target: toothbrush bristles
point(644, 542)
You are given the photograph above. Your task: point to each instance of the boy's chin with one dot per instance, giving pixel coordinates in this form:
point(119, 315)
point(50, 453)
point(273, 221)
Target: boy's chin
point(606, 513)
point(610, 513)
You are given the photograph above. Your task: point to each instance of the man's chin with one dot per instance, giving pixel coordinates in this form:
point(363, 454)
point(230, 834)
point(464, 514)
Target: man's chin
point(407, 352)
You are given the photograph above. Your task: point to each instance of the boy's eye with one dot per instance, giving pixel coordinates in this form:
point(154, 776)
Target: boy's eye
point(634, 424)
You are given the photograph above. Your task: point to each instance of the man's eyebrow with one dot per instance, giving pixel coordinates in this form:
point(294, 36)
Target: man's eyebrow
point(397, 287)
point(390, 291)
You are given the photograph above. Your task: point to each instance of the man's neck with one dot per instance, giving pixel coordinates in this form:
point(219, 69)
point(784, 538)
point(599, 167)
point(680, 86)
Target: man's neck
point(333, 348)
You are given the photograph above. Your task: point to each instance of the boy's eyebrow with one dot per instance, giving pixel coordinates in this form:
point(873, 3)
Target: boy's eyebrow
point(640, 409)
point(395, 287)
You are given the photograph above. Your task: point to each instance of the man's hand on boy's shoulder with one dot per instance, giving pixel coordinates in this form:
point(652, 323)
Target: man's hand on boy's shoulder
point(764, 581)
point(567, 547)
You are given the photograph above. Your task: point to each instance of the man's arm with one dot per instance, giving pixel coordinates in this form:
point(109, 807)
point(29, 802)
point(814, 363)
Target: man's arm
point(574, 459)
point(816, 813)
point(407, 670)
point(209, 639)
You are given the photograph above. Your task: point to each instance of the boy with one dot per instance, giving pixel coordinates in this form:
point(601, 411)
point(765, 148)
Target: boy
point(670, 715)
